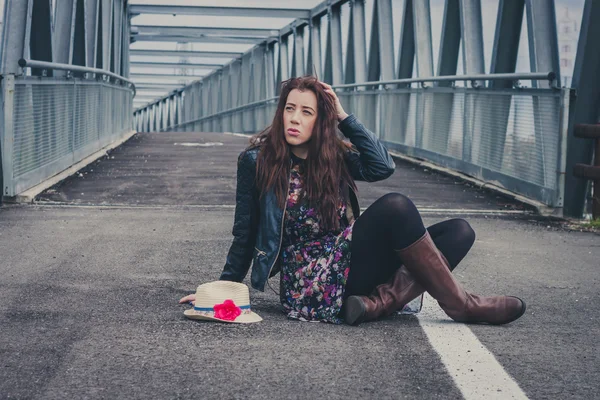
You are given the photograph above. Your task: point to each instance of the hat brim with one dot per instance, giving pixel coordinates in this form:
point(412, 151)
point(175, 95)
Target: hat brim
point(241, 319)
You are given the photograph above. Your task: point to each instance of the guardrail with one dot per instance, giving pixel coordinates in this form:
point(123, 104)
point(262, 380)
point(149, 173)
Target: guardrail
point(52, 123)
point(513, 137)
point(44, 65)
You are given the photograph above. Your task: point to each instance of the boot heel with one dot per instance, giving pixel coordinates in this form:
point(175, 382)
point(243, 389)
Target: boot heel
point(354, 310)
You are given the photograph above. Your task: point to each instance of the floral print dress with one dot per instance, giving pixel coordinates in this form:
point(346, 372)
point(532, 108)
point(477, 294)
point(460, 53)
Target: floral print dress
point(314, 262)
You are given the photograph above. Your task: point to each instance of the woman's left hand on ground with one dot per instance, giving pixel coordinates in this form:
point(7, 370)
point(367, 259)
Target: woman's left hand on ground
point(341, 114)
point(189, 298)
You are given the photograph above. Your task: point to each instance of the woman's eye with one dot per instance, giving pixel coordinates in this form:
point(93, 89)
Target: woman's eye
point(288, 108)
point(307, 113)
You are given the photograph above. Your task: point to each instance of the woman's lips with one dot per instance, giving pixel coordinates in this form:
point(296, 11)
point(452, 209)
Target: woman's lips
point(293, 132)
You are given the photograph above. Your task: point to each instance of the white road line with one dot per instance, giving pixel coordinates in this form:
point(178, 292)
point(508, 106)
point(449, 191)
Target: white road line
point(422, 210)
point(237, 134)
point(476, 372)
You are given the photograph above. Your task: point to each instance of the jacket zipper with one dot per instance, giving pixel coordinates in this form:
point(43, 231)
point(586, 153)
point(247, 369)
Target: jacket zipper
point(282, 220)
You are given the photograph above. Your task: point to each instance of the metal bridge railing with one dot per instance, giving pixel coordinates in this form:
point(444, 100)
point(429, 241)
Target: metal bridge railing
point(50, 124)
point(514, 138)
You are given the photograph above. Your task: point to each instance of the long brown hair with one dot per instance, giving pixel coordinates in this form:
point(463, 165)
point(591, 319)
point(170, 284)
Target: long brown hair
point(326, 176)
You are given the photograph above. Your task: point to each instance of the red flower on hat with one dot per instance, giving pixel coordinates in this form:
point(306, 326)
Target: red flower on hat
point(227, 311)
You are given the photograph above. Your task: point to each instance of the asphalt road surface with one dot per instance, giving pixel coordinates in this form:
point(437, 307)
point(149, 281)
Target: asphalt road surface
point(91, 273)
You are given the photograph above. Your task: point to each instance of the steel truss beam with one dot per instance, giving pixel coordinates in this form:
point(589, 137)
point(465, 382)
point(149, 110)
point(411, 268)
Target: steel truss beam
point(156, 86)
point(504, 60)
point(313, 65)
point(205, 39)
point(174, 65)
point(165, 76)
point(447, 65)
point(298, 63)
point(543, 56)
point(183, 53)
point(356, 58)
point(334, 71)
point(261, 12)
point(474, 146)
point(146, 83)
point(190, 31)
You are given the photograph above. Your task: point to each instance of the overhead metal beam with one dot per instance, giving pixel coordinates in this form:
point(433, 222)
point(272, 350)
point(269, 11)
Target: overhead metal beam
point(173, 65)
point(148, 83)
point(165, 76)
point(165, 90)
point(221, 11)
point(289, 28)
point(157, 96)
point(146, 86)
point(183, 53)
point(204, 39)
point(322, 8)
point(192, 31)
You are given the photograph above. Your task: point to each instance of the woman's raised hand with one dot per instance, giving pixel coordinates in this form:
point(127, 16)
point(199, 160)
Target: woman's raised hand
point(189, 298)
point(341, 114)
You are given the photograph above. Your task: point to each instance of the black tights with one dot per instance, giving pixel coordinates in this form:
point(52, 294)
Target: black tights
point(393, 223)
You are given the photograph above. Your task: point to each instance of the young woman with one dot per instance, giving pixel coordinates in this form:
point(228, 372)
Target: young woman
point(297, 214)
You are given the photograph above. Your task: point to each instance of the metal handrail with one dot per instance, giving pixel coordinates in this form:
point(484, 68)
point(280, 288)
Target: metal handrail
point(534, 76)
point(24, 63)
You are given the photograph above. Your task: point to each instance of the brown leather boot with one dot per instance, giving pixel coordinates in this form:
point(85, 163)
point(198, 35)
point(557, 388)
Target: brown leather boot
point(384, 300)
point(429, 268)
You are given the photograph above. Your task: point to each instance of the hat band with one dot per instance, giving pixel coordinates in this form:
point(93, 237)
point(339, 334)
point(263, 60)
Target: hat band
point(210, 312)
point(245, 309)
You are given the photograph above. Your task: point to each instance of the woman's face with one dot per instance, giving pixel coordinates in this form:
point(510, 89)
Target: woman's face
point(299, 117)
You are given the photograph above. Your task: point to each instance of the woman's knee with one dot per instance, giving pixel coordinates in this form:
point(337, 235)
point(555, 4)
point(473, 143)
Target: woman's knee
point(464, 231)
point(398, 202)
point(398, 210)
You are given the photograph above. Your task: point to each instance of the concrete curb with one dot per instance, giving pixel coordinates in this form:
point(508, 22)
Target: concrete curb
point(539, 207)
point(29, 195)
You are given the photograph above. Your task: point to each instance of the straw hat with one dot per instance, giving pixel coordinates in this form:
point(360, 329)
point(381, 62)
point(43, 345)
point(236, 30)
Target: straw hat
point(223, 301)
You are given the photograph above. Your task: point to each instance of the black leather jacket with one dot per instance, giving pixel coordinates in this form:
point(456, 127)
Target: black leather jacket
point(258, 226)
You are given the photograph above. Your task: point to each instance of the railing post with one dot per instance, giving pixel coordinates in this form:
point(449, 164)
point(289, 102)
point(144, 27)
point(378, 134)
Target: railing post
point(565, 103)
point(7, 135)
point(74, 124)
